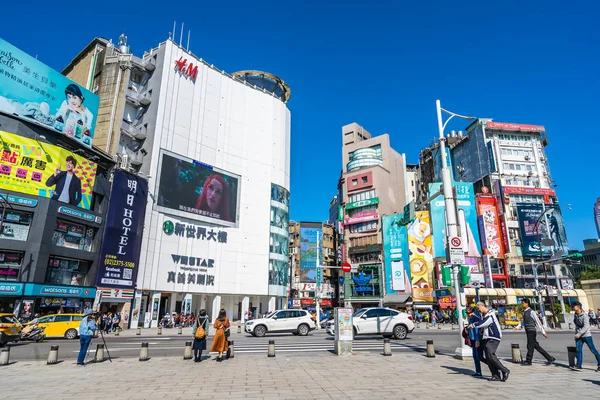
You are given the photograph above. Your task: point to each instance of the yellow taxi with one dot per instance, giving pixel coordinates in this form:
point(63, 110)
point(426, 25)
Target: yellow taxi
point(61, 325)
point(10, 329)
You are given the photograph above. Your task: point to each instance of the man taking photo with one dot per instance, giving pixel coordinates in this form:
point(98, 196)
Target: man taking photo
point(87, 327)
point(532, 323)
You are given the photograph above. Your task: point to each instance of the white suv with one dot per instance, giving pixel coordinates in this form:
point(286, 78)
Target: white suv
point(379, 321)
point(296, 322)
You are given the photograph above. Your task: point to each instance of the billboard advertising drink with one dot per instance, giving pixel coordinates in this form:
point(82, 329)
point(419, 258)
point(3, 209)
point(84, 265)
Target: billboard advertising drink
point(120, 255)
point(41, 169)
point(551, 226)
point(395, 253)
point(194, 190)
point(421, 257)
point(491, 231)
point(35, 92)
point(467, 218)
point(308, 254)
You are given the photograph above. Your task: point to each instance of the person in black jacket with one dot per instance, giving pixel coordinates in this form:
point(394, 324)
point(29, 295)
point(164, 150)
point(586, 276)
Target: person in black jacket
point(68, 185)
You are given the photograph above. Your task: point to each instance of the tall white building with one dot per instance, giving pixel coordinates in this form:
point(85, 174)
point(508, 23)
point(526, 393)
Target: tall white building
point(215, 148)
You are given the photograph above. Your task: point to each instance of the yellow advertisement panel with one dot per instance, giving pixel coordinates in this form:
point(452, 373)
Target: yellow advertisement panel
point(421, 257)
point(41, 169)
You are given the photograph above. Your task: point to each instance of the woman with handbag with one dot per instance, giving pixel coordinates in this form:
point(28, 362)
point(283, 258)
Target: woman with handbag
point(200, 335)
point(220, 343)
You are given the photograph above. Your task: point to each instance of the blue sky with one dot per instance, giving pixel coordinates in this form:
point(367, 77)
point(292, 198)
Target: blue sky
point(381, 64)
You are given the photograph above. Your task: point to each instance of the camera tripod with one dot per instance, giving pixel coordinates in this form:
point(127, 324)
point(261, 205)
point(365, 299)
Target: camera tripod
point(105, 346)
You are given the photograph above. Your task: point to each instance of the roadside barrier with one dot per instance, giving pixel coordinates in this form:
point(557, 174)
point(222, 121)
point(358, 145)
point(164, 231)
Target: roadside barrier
point(387, 347)
point(5, 356)
point(144, 352)
point(516, 353)
point(187, 352)
point(271, 352)
point(430, 349)
point(53, 355)
point(99, 357)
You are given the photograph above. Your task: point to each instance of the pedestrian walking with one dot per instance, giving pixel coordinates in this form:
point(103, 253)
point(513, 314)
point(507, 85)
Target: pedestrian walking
point(108, 324)
point(583, 335)
point(115, 322)
point(592, 316)
point(220, 343)
point(492, 335)
point(200, 335)
point(86, 332)
point(476, 338)
point(531, 323)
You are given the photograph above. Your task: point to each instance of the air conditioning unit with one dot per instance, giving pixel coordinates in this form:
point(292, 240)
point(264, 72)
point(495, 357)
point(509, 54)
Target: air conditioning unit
point(527, 158)
point(530, 173)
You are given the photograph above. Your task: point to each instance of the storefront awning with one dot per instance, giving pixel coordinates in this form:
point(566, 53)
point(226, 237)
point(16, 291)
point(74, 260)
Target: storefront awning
point(520, 292)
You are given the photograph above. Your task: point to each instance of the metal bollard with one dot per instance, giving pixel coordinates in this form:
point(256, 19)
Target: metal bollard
point(5, 356)
point(117, 331)
point(426, 325)
point(179, 330)
point(572, 353)
point(271, 352)
point(139, 332)
point(439, 326)
point(387, 347)
point(430, 349)
point(516, 353)
point(239, 329)
point(99, 357)
point(452, 326)
point(187, 353)
point(53, 355)
point(159, 330)
point(418, 325)
point(144, 352)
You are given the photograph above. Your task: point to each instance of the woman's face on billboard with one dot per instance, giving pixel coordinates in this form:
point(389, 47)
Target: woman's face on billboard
point(214, 195)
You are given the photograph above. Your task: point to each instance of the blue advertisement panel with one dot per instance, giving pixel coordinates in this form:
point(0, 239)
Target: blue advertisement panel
point(438, 165)
point(11, 288)
point(308, 254)
point(35, 289)
point(35, 92)
point(396, 256)
point(467, 218)
point(550, 225)
point(119, 259)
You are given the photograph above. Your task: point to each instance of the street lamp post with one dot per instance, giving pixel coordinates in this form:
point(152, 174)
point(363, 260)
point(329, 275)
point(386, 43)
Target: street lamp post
point(452, 222)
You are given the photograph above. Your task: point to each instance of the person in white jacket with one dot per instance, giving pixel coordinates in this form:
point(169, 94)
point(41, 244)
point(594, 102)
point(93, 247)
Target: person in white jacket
point(492, 335)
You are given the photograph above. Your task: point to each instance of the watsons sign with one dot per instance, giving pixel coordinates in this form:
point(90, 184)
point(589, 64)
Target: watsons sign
point(32, 289)
point(80, 214)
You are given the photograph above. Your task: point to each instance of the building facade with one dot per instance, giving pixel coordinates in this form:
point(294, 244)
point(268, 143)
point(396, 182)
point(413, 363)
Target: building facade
point(374, 183)
point(215, 148)
point(597, 216)
point(312, 249)
point(54, 191)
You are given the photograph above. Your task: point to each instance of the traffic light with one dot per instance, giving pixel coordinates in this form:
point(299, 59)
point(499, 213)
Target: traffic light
point(464, 275)
point(447, 276)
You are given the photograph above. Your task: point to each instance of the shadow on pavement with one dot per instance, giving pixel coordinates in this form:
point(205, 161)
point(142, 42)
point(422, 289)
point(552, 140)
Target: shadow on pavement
point(591, 381)
point(462, 371)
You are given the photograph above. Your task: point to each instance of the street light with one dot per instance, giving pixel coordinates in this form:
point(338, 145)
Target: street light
point(451, 221)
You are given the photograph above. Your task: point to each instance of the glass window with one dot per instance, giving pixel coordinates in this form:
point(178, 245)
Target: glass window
point(73, 236)
point(15, 225)
point(363, 226)
point(358, 312)
point(45, 320)
point(372, 313)
point(77, 318)
point(64, 271)
point(10, 265)
point(6, 319)
point(369, 194)
point(62, 318)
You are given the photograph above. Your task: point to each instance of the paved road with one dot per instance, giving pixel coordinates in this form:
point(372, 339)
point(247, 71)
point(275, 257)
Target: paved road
point(171, 344)
point(319, 376)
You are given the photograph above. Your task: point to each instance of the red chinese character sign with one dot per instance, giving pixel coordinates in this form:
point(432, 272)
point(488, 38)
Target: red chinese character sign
point(41, 169)
point(188, 69)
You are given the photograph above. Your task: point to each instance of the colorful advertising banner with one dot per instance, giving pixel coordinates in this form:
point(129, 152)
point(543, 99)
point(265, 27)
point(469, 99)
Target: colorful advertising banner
point(119, 258)
point(551, 225)
point(396, 257)
point(41, 169)
point(308, 254)
point(467, 218)
point(490, 229)
point(364, 216)
point(36, 93)
point(191, 189)
point(421, 257)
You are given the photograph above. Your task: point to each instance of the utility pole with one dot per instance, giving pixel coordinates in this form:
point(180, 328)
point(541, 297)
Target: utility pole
point(318, 283)
point(452, 224)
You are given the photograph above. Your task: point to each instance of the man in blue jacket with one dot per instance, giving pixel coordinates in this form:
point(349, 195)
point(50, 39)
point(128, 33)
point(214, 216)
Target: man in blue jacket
point(476, 340)
point(492, 335)
point(86, 332)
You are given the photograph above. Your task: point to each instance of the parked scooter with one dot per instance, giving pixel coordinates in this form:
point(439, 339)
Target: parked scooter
point(33, 332)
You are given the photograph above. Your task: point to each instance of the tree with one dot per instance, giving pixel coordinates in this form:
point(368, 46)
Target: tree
point(591, 273)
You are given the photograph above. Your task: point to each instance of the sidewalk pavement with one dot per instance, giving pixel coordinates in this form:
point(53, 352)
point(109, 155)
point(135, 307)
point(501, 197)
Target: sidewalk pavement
point(406, 375)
